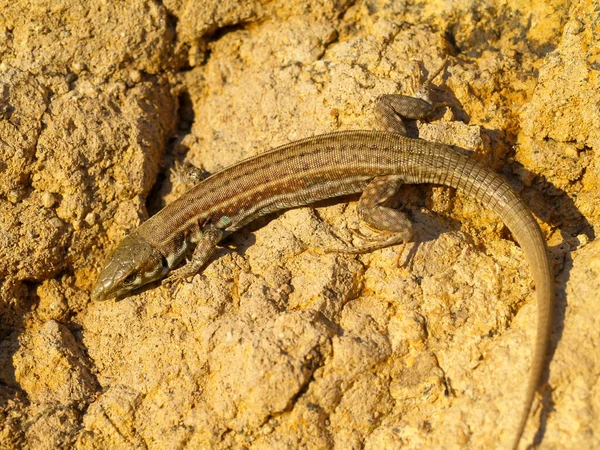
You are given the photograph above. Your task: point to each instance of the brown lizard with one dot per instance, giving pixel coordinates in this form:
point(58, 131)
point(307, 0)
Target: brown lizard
point(375, 163)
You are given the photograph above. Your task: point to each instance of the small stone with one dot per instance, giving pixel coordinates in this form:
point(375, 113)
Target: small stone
point(571, 151)
point(135, 76)
point(90, 219)
point(78, 67)
point(52, 303)
point(583, 239)
point(48, 199)
point(57, 223)
point(14, 195)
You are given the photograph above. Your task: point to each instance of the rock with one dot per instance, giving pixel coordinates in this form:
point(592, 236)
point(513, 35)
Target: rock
point(275, 344)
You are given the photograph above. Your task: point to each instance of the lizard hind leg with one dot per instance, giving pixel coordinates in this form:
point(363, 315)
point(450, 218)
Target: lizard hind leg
point(391, 109)
point(394, 226)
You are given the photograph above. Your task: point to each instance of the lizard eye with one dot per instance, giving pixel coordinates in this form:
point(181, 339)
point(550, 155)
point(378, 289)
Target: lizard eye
point(129, 279)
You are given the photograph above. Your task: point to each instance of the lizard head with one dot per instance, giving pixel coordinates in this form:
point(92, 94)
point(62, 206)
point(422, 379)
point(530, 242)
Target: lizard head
point(131, 265)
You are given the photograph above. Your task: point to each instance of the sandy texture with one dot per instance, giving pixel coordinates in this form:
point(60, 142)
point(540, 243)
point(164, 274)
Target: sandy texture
point(274, 344)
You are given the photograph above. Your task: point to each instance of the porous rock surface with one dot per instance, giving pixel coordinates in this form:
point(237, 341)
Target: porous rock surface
point(276, 344)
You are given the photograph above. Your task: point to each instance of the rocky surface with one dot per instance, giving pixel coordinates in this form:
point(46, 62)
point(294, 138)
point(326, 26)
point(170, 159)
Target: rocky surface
point(276, 345)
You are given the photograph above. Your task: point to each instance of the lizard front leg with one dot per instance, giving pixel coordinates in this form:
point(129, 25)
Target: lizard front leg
point(204, 250)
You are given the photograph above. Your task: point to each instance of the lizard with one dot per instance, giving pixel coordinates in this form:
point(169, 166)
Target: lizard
point(374, 162)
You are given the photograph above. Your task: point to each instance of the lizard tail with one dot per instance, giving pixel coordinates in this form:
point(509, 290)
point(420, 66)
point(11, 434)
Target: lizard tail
point(517, 217)
point(528, 234)
point(493, 192)
point(534, 247)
